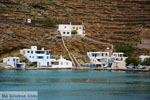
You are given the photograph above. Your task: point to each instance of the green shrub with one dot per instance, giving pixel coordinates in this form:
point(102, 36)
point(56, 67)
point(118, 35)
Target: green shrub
point(146, 62)
point(126, 48)
point(49, 22)
point(133, 60)
point(38, 5)
point(74, 32)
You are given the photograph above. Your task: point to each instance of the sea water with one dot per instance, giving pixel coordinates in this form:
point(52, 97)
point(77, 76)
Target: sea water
point(78, 85)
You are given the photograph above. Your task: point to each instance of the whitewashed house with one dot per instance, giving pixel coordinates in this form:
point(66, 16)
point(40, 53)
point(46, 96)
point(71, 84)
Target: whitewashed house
point(115, 60)
point(66, 29)
point(99, 59)
point(14, 62)
point(42, 56)
point(118, 60)
point(143, 57)
point(61, 63)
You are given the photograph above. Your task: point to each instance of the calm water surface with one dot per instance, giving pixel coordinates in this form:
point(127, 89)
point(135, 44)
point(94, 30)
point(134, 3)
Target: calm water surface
point(78, 85)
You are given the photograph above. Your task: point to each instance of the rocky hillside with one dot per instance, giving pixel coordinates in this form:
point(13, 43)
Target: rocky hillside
point(110, 21)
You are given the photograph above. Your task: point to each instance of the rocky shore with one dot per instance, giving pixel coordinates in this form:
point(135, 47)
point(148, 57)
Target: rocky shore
point(4, 66)
point(7, 67)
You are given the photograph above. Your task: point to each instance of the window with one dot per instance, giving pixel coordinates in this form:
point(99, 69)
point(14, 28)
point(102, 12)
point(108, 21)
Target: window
point(121, 55)
point(30, 56)
point(94, 54)
point(66, 63)
point(80, 27)
point(73, 28)
point(67, 32)
point(47, 63)
point(28, 51)
point(13, 59)
point(47, 57)
point(17, 60)
point(40, 52)
point(47, 52)
point(63, 32)
point(40, 57)
point(32, 52)
point(65, 27)
point(99, 60)
point(55, 63)
point(76, 28)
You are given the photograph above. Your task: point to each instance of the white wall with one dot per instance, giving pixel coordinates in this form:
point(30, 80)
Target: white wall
point(119, 65)
point(46, 60)
point(43, 63)
point(143, 57)
point(41, 58)
point(63, 63)
point(118, 56)
point(66, 29)
point(12, 61)
point(78, 28)
point(101, 58)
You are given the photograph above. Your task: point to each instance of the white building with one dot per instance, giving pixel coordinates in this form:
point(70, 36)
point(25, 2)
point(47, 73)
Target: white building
point(42, 57)
point(61, 63)
point(118, 60)
point(105, 59)
point(100, 59)
point(14, 62)
point(66, 29)
point(143, 57)
point(28, 21)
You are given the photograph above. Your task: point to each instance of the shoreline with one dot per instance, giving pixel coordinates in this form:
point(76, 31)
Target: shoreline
point(84, 69)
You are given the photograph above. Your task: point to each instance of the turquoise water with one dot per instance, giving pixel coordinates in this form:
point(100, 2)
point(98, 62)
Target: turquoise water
point(78, 85)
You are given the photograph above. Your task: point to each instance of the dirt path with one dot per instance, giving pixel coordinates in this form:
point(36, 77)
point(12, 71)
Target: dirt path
point(71, 56)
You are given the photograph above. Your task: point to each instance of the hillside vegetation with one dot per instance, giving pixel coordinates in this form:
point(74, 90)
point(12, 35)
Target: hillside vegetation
point(112, 21)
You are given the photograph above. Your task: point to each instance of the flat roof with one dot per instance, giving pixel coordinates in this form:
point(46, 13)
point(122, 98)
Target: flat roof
point(13, 57)
point(72, 23)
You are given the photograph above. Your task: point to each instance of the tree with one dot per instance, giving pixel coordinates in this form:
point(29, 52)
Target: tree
point(126, 48)
point(146, 62)
point(133, 60)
